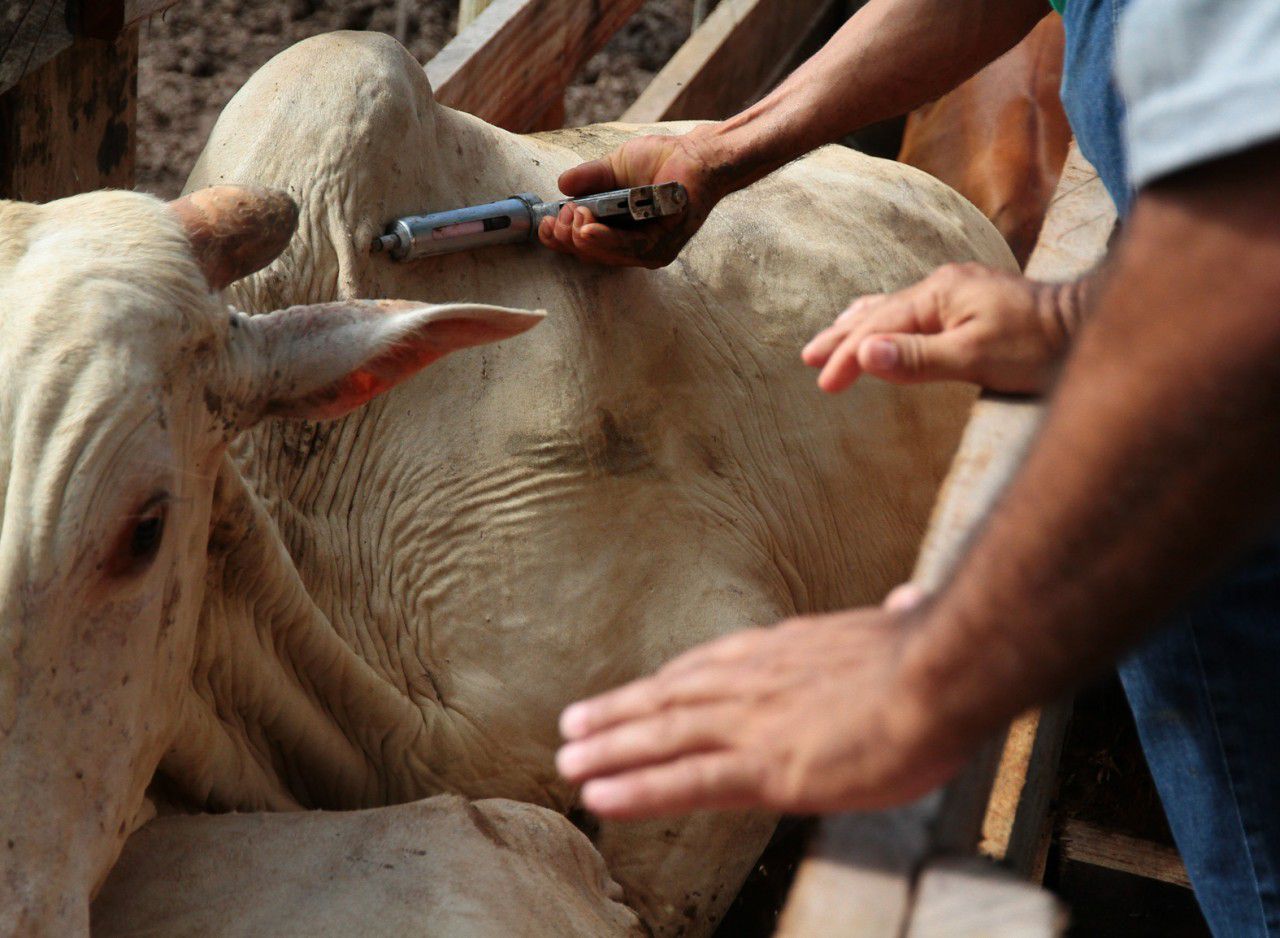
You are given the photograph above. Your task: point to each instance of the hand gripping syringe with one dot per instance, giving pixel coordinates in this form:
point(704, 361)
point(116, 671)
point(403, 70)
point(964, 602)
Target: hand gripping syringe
point(516, 219)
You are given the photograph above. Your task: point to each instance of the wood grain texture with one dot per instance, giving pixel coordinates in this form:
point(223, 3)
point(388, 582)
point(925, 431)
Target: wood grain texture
point(1016, 827)
point(744, 48)
point(71, 125)
point(512, 64)
point(31, 33)
point(895, 845)
point(1073, 239)
point(857, 878)
point(1088, 843)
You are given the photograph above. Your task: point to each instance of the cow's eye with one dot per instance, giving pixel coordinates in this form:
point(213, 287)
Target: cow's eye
point(141, 538)
point(147, 534)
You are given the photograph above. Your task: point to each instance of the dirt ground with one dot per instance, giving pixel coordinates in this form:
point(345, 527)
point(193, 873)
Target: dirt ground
point(198, 53)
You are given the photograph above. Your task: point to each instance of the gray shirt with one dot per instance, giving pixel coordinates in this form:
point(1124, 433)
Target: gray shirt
point(1201, 79)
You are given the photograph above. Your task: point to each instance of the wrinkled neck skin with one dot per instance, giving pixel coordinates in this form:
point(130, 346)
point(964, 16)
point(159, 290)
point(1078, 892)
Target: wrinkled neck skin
point(310, 686)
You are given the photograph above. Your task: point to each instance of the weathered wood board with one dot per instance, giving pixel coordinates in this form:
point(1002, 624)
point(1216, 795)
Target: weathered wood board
point(946, 904)
point(511, 65)
point(70, 125)
point(1016, 827)
point(900, 847)
point(32, 32)
point(744, 48)
point(1088, 843)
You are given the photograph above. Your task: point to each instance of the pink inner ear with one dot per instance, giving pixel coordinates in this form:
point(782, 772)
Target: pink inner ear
point(405, 359)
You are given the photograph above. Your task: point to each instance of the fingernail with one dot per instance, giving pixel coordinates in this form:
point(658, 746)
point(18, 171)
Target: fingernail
point(603, 795)
point(882, 355)
point(573, 721)
point(904, 597)
point(569, 759)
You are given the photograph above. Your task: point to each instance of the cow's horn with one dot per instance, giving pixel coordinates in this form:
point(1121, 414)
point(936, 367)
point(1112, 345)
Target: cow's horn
point(235, 230)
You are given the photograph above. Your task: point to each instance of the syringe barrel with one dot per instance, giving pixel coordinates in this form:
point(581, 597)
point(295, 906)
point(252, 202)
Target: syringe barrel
point(505, 222)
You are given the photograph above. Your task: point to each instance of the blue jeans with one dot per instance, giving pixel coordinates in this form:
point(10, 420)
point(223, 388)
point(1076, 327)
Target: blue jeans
point(1205, 691)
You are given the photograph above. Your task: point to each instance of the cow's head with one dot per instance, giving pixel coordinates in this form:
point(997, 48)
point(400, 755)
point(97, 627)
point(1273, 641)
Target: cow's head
point(122, 379)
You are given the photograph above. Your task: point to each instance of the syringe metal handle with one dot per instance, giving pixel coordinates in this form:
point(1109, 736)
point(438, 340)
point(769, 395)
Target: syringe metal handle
point(516, 219)
point(504, 222)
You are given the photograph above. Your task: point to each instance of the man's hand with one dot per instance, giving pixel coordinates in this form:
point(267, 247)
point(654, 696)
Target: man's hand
point(639, 162)
point(964, 322)
point(811, 715)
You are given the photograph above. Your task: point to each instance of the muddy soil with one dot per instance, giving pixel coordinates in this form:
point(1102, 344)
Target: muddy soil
point(198, 53)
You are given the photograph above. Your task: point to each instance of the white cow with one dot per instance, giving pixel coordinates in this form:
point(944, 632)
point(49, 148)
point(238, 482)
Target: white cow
point(369, 611)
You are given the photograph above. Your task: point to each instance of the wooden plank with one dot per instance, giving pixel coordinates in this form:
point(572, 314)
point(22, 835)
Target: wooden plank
point(1073, 238)
point(32, 33)
point(1077, 226)
point(71, 125)
point(552, 118)
point(857, 877)
point(1016, 827)
point(967, 897)
point(513, 63)
point(744, 48)
point(1087, 843)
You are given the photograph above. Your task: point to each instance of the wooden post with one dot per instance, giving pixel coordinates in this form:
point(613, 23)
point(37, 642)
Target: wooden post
point(70, 126)
point(744, 48)
point(33, 31)
point(512, 65)
point(552, 118)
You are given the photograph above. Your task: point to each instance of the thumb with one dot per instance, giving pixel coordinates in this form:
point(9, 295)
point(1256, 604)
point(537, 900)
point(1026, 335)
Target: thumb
point(906, 358)
point(588, 178)
point(904, 597)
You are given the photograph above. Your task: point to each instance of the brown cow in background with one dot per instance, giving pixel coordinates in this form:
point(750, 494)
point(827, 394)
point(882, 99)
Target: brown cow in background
point(1000, 139)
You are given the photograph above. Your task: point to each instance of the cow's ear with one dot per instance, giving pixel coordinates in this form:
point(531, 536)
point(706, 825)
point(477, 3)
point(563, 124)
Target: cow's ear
point(320, 362)
point(235, 230)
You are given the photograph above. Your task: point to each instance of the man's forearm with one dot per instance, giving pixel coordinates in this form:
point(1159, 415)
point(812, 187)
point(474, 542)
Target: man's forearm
point(891, 56)
point(1157, 462)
